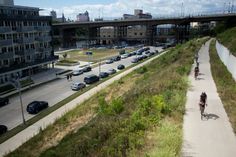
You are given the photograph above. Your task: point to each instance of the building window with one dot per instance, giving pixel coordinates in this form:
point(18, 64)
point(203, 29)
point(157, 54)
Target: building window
point(9, 36)
point(4, 50)
point(5, 62)
point(141, 34)
point(28, 58)
point(135, 33)
point(2, 37)
point(10, 49)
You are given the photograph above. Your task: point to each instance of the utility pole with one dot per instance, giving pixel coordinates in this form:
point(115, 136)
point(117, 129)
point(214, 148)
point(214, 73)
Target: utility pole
point(17, 85)
point(100, 67)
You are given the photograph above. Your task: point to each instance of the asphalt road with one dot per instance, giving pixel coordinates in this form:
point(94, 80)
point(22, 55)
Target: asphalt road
point(53, 92)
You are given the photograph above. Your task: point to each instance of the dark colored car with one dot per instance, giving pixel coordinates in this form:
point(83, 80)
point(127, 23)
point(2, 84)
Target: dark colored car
point(103, 75)
point(146, 48)
point(152, 53)
point(36, 106)
point(116, 58)
point(134, 53)
point(91, 79)
point(4, 101)
point(147, 52)
point(111, 71)
point(3, 129)
point(87, 69)
point(120, 67)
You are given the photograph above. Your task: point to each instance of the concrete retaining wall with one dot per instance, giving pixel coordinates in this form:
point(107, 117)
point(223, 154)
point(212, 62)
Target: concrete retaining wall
point(227, 58)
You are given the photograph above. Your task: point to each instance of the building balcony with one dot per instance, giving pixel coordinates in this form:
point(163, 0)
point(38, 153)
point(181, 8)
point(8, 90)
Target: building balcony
point(43, 38)
point(25, 29)
point(19, 53)
point(5, 29)
point(7, 42)
point(29, 51)
point(25, 40)
point(7, 55)
point(22, 66)
point(25, 17)
point(43, 28)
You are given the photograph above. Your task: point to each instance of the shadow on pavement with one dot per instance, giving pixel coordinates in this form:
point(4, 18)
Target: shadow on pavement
point(211, 116)
point(200, 78)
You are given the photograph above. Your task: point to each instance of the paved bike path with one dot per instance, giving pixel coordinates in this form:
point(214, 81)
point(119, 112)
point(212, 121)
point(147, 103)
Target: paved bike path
point(213, 136)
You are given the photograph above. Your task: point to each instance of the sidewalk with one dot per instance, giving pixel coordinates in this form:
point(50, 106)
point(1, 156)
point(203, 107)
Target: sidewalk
point(20, 138)
point(213, 136)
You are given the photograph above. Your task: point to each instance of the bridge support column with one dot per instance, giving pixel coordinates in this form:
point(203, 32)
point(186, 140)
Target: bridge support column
point(150, 34)
point(182, 32)
point(120, 33)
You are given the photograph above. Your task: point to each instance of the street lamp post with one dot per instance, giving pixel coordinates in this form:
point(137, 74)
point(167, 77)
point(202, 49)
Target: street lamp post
point(17, 85)
point(21, 104)
point(99, 66)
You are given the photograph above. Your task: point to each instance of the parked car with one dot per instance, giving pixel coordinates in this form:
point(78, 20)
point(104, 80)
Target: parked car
point(134, 53)
point(87, 69)
point(103, 75)
point(129, 54)
point(134, 60)
point(36, 106)
point(109, 61)
point(146, 48)
point(78, 72)
point(152, 53)
point(147, 52)
point(120, 67)
point(91, 79)
point(111, 71)
point(4, 101)
point(3, 129)
point(124, 56)
point(77, 86)
point(139, 53)
point(116, 58)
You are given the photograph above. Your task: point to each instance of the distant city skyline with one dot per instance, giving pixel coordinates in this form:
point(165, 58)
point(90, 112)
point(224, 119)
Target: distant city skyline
point(116, 8)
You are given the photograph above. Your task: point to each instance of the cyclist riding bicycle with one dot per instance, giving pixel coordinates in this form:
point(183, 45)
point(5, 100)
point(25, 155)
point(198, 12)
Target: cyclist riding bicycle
point(202, 103)
point(196, 71)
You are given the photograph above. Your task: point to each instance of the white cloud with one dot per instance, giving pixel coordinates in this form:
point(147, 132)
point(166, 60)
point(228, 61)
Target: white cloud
point(155, 7)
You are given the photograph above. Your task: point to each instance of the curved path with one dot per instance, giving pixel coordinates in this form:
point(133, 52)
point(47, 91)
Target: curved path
point(213, 135)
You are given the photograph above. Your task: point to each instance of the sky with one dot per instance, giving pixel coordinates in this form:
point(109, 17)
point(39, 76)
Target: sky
point(108, 9)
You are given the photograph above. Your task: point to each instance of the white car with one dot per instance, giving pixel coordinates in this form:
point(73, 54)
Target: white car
point(124, 56)
point(109, 61)
point(78, 72)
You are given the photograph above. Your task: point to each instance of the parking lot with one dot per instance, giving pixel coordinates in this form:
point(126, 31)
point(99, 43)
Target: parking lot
point(54, 92)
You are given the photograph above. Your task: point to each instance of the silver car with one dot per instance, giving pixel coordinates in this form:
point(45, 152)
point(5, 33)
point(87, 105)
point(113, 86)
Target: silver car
point(77, 86)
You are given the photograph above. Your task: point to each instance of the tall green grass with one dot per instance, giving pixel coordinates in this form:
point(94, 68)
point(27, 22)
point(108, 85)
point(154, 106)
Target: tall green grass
point(226, 86)
point(228, 39)
point(127, 110)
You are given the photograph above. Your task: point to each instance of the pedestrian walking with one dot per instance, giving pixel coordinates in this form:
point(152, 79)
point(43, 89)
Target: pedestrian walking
point(67, 76)
point(71, 77)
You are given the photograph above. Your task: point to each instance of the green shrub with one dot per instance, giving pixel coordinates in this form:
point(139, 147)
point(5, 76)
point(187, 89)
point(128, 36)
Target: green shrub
point(103, 107)
point(142, 70)
point(117, 105)
point(160, 104)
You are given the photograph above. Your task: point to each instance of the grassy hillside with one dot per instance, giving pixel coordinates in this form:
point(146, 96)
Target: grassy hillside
point(139, 115)
point(228, 39)
point(226, 86)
